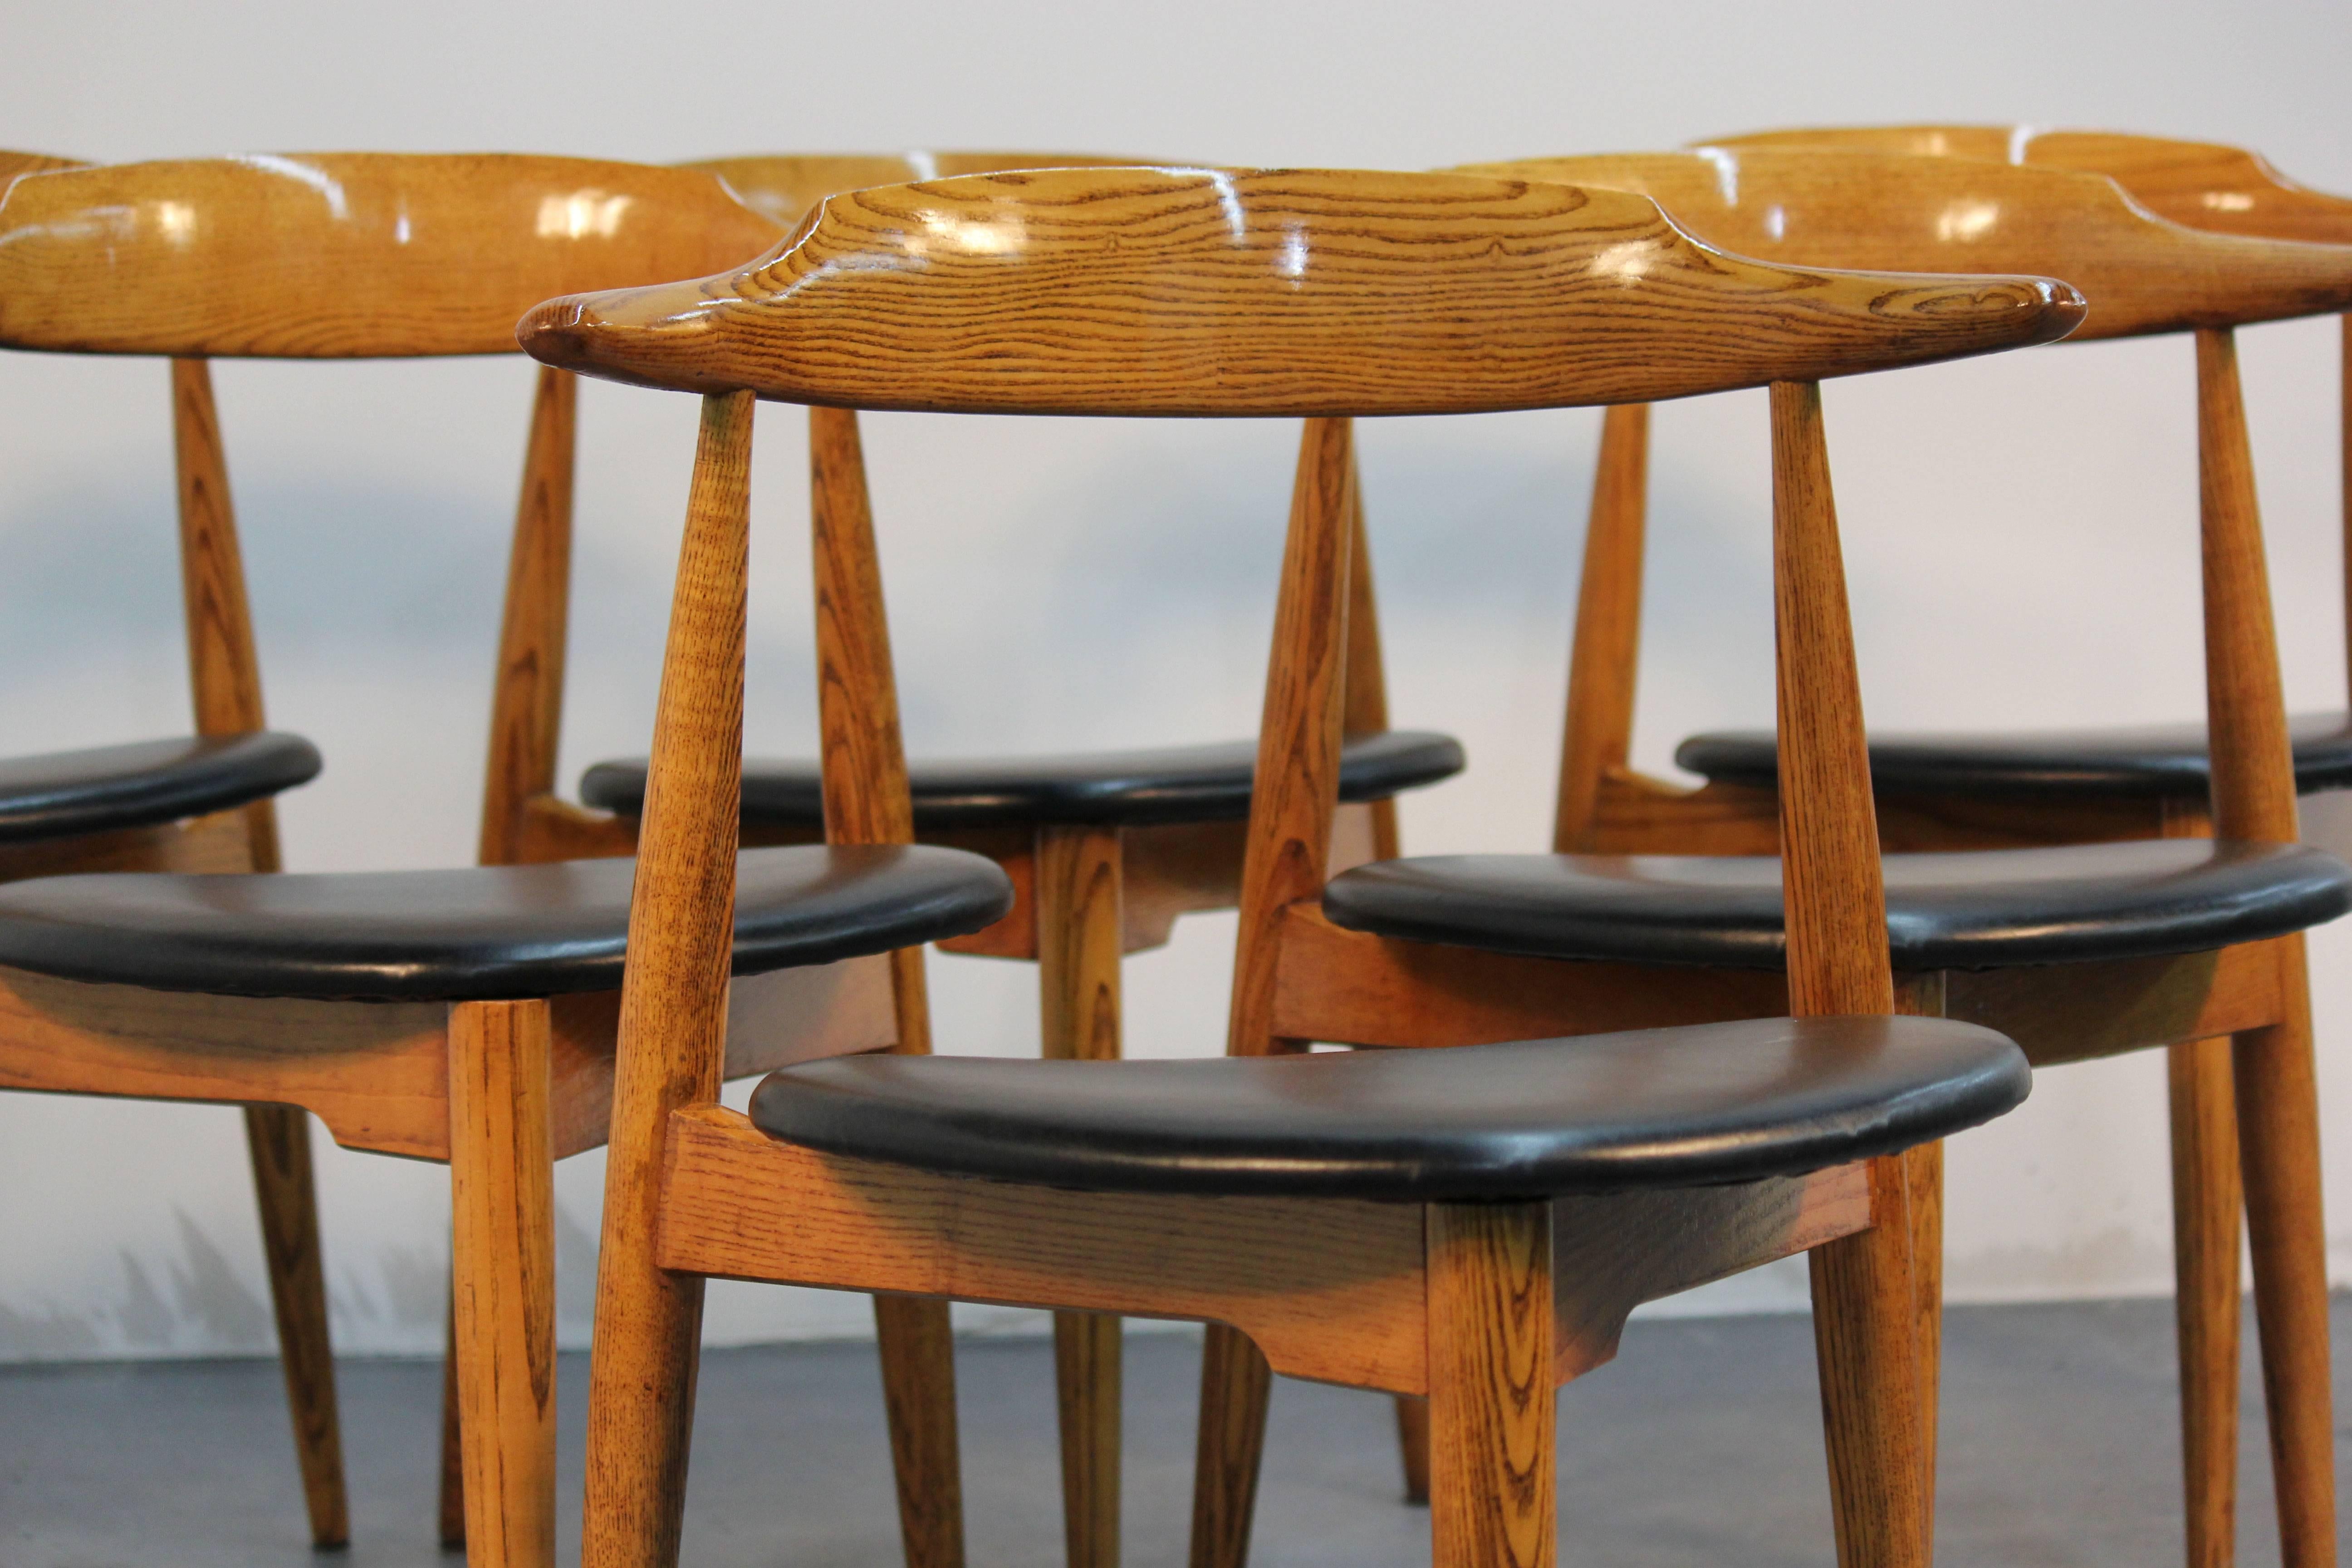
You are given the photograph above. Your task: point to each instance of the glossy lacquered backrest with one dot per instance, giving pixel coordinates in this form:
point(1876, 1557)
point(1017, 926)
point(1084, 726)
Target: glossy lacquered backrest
point(784, 185)
point(1837, 209)
point(1189, 291)
point(2205, 185)
point(343, 254)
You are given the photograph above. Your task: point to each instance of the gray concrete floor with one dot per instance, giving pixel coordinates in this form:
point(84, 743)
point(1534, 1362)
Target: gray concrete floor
point(1700, 1445)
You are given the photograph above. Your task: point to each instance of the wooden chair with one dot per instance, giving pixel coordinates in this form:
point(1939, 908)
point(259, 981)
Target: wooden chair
point(203, 804)
point(1105, 850)
point(466, 1016)
point(1314, 1204)
point(2171, 988)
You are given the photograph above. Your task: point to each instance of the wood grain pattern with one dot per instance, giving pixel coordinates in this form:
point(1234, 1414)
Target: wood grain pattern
point(527, 700)
point(784, 185)
point(2140, 273)
point(376, 1073)
point(1080, 930)
point(1204, 292)
point(1331, 1290)
point(2207, 1210)
point(866, 801)
point(342, 255)
point(1291, 810)
point(1601, 668)
point(2202, 184)
point(503, 1182)
point(1866, 1345)
point(277, 1146)
point(1837, 954)
point(1494, 1493)
point(672, 1013)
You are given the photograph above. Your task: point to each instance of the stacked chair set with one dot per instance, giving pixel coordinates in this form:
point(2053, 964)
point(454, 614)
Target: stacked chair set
point(1709, 1029)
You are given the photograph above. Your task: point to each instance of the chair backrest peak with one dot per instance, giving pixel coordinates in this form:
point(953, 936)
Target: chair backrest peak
point(1192, 291)
point(1845, 208)
point(342, 255)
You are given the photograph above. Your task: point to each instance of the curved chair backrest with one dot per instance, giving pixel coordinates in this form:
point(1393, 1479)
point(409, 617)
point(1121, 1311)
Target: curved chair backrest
point(786, 185)
point(1202, 292)
point(2203, 184)
point(1881, 210)
point(342, 255)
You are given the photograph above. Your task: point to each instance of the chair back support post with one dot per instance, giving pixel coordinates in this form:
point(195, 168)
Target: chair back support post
point(866, 796)
point(673, 1021)
point(1366, 706)
point(2253, 769)
point(1297, 790)
point(224, 670)
point(1829, 835)
point(527, 704)
point(1605, 654)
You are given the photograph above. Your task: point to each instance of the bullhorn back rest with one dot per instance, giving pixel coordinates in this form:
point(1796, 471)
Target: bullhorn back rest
point(1201, 293)
point(784, 185)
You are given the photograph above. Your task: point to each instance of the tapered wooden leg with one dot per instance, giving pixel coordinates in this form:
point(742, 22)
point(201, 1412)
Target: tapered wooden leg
point(1087, 1355)
point(1412, 1445)
point(917, 1353)
point(1923, 1181)
point(2207, 1201)
point(277, 1138)
point(1080, 939)
point(1493, 1498)
point(1235, 1385)
point(1866, 1335)
point(2278, 1149)
point(502, 1178)
point(453, 1454)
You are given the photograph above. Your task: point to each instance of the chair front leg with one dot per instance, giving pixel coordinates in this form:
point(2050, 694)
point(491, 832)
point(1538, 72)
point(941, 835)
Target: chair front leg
point(503, 1182)
point(1865, 1336)
point(1494, 1495)
point(277, 1138)
point(2208, 1201)
point(2278, 1148)
point(1081, 930)
point(1235, 1382)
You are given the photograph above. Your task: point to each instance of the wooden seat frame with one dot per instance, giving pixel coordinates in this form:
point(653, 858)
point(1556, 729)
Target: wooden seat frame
point(1484, 1308)
point(369, 255)
point(2236, 1023)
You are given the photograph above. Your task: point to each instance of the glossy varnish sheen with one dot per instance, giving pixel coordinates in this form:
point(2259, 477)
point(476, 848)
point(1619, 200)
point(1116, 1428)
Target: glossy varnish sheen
point(1192, 292)
point(399, 253)
point(786, 185)
point(1877, 210)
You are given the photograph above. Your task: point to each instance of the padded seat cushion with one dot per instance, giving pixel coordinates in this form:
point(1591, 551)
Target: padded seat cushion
point(2154, 760)
point(474, 935)
point(1975, 910)
point(1693, 1106)
point(59, 794)
point(1176, 783)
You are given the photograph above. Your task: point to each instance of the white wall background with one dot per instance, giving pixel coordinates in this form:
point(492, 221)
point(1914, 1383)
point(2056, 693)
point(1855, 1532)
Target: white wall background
point(2021, 531)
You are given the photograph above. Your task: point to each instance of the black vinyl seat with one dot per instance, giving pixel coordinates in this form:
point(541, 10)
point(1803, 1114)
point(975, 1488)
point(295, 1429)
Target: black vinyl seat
point(56, 794)
point(1692, 1106)
point(2157, 760)
point(1207, 782)
point(1981, 909)
point(478, 933)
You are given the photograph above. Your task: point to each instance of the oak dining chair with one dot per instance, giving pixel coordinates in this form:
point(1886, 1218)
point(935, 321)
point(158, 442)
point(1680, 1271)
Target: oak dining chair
point(202, 803)
point(2087, 927)
point(464, 1016)
point(1474, 1227)
point(1105, 849)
